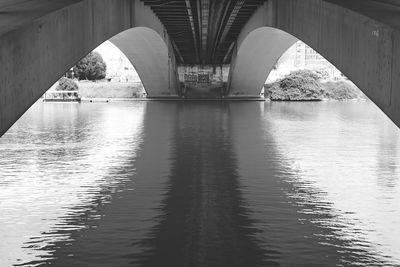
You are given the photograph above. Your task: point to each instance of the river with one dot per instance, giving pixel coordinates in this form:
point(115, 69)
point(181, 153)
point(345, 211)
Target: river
point(200, 184)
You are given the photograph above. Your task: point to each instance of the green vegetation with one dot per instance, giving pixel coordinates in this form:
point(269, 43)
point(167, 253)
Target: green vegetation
point(65, 84)
point(306, 85)
point(342, 90)
point(92, 67)
point(297, 86)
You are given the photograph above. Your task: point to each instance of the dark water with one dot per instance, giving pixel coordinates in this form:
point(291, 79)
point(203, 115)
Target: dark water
point(200, 184)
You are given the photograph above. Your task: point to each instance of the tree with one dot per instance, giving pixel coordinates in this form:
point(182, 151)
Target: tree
point(65, 84)
point(92, 67)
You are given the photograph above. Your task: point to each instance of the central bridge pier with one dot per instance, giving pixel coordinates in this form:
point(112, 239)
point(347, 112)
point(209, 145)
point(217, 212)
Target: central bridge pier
point(203, 81)
point(207, 82)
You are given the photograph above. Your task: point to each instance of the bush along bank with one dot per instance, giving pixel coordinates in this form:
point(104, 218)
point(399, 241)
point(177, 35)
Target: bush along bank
point(306, 85)
point(342, 90)
point(66, 84)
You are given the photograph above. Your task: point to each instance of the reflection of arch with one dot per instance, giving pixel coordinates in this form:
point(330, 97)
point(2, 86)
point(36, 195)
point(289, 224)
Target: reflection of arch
point(35, 55)
point(364, 49)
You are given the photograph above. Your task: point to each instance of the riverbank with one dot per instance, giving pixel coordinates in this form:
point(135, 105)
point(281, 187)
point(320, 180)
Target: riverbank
point(297, 86)
point(110, 90)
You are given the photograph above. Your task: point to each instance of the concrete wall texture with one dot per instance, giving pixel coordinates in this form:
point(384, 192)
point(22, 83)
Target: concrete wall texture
point(363, 45)
point(36, 54)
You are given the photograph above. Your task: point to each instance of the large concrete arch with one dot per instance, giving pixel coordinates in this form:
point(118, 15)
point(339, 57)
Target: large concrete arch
point(37, 51)
point(255, 59)
point(364, 47)
point(148, 52)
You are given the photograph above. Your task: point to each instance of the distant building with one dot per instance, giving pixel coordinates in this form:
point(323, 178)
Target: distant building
point(301, 56)
point(308, 58)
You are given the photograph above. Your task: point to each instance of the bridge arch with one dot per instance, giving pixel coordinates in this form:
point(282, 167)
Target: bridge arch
point(35, 55)
point(255, 59)
point(366, 50)
point(149, 54)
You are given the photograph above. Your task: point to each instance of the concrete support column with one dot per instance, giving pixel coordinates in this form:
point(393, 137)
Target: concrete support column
point(255, 59)
point(148, 46)
point(156, 67)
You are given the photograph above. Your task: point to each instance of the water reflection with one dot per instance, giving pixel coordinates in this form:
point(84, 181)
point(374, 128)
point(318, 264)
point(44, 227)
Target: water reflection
point(204, 221)
point(200, 184)
point(339, 159)
point(56, 164)
point(132, 212)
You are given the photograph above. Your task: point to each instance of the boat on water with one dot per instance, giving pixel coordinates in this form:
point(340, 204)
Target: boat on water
point(62, 96)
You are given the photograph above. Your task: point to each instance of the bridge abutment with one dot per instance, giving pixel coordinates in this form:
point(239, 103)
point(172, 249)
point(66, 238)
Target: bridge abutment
point(364, 49)
point(36, 55)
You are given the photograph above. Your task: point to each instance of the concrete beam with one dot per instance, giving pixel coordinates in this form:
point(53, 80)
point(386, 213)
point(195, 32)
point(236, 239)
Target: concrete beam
point(365, 50)
point(35, 55)
point(16, 13)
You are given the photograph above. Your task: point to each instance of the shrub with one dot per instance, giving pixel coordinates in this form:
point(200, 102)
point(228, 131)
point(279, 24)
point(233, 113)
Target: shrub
point(296, 86)
point(324, 74)
point(341, 90)
point(65, 84)
point(92, 67)
point(307, 74)
point(307, 85)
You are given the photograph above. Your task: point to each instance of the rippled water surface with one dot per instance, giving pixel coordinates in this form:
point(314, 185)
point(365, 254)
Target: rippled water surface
point(200, 184)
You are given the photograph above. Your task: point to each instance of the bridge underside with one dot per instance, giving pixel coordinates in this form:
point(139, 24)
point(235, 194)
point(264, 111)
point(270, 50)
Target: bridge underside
point(235, 43)
point(204, 31)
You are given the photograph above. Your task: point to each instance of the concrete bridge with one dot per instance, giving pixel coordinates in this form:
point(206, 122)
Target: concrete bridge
point(168, 40)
